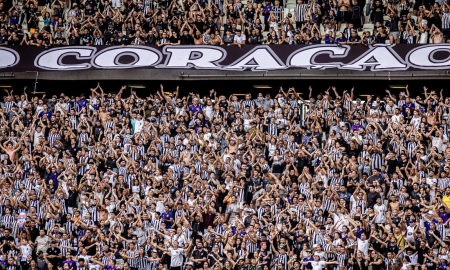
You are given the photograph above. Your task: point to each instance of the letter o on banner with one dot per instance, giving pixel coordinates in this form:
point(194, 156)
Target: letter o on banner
point(423, 57)
point(8, 57)
point(143, 57)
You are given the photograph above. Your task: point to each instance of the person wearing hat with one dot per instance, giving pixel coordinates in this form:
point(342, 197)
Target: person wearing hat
point(189, 265)
point(83, 102)
point(54, 254)
point(195, 108)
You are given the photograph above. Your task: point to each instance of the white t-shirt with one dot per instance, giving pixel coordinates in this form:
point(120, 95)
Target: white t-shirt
point(423, 38)
point(180, 239)
point(26, 250)
point(381, 209)
point(159, 206)
point(431, 181)
point(416, 121)
point(176, 257)
point(363, 245)
point(138, 124)
point(318, 265)
point(60, 106)
point(208, 110)
point(179, 111)
point(397, 118)
point(413, 257)
point(43, 243)
point(340, 217)
point(110, 176)
point(239, 39)
point(37, 135)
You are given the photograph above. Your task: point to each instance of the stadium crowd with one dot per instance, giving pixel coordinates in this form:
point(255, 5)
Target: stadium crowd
point(215, 182)
point(222, 22)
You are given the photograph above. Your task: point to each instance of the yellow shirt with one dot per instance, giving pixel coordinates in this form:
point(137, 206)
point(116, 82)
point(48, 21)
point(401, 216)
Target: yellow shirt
point(400, 240)
point(446, 200)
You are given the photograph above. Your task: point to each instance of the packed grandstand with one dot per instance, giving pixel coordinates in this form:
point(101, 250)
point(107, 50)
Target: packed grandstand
point(50, 23)
point(119, 180)
point(169, 179)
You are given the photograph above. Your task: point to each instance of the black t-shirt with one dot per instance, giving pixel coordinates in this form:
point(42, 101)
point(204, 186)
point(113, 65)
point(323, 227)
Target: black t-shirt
point(34, 233)
point(72, 199)
point(121, 40)
point(393, 24)
point(6, 240)
point(54, 251)
point(36, 39)
point(249, 187)
point(355, 39)
point(174, 39)
point(3, 39)
point(430, 264)
point(359, 266)
point(197, 254)
point(377, 13)
point(315, 40)
point(58, 12)
point(317, 19)
point(396, 220)
point(253, 40)
point(228, 40)
point(73, 40)
point(392, 166)
point(159, 25)
point(379, 38)
point(392, 248)
point(186, 40)
point(86, 39)
point(372, 198)
point(59, 40)
point(20, 34)
point(249, 15)
point(31, 12)
point(374, 178)
point(89, 12)
point(421, 252)
point(200, 26)
point(430, 237)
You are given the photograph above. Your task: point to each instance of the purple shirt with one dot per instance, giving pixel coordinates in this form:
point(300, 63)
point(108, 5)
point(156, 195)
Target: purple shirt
point(357, 127)
point(266, 11)
point(444, 216)
point(167, 216)
point(72, 264)
point(195, 109)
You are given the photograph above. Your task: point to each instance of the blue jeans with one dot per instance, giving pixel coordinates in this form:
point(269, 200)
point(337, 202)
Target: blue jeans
point(368, 8)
